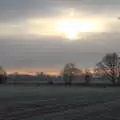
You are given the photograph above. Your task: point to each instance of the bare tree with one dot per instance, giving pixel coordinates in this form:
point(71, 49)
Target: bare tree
point(87, 77)
point(3, 75)
point(110, 65)
point(68, 73)
point(50, 81)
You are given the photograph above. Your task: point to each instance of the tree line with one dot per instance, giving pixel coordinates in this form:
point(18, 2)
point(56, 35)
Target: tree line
point(109, 66)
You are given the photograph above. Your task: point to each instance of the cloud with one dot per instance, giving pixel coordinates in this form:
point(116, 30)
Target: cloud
point(39, 17)
point(28, 39)
point(17, 10)
point(11, 10)
point(53, 53)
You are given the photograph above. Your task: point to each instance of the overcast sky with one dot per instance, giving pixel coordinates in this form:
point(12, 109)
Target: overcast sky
point(29, 39)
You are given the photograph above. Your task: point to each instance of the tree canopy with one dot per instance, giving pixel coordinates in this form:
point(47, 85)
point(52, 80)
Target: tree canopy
point(110, 64)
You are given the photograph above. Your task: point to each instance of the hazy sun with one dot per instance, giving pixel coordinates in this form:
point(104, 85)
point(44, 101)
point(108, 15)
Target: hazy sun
point(71, 28)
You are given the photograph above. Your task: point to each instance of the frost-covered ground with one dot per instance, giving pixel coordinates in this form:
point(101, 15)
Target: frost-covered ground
point(78, 80)
point(59, 103)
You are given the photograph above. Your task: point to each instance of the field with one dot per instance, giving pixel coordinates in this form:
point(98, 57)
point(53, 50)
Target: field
point(59, 103)
point(78, 81)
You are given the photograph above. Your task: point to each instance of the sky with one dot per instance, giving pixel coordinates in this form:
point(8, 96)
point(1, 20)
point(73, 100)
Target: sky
point(44, 35)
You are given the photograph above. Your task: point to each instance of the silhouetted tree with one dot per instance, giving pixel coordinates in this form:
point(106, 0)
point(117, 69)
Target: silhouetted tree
point(3, 75)
point(49, 78)
point(110, 65)
point(15, 77)
point(68, 73)
point(88, 77)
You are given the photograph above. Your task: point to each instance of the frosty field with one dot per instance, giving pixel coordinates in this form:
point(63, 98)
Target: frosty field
point(59, 103)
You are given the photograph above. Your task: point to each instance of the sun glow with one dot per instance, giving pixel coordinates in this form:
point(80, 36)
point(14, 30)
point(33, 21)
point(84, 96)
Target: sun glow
point(71, 28)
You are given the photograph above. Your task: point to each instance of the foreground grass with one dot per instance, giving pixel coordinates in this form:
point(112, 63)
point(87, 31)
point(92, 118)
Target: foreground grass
point(58, 102)
point(9, 91)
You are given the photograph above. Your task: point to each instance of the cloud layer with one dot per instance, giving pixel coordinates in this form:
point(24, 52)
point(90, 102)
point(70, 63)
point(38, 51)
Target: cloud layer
point(20, 48)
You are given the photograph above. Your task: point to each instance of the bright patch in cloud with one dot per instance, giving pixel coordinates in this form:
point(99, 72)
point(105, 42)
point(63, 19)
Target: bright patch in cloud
point(70, 28)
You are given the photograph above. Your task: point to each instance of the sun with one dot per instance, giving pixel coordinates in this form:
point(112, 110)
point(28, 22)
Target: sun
point(71, 35)
point(69, 28)
point(72, 28)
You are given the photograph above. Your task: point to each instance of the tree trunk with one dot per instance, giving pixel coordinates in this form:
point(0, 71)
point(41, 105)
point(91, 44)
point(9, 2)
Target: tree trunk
point(70, 79)
point(87, 79)
point(113, 80)
point(113, 76)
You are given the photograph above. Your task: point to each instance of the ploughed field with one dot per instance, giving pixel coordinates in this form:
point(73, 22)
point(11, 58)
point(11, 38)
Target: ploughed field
point(59, 103)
